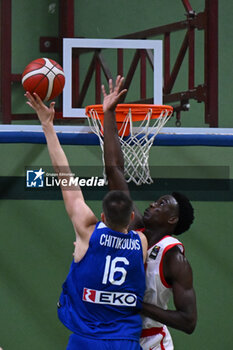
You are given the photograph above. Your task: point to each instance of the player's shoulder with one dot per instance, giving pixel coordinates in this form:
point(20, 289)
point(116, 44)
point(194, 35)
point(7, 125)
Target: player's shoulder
point(144, 243)
point(141, 235)
point(174, 254)
point(169, 242)
point(176, 264)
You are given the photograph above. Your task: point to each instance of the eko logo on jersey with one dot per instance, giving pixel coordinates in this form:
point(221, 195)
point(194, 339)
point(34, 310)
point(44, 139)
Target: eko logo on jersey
point(110, 298)
point(35, 178)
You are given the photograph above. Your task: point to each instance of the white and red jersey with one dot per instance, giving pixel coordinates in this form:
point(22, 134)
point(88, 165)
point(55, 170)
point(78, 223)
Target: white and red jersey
point(158, 292)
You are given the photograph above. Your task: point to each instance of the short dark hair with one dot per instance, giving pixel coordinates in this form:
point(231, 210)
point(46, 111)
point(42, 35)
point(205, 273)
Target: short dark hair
point(186, 213)
point(117, 208)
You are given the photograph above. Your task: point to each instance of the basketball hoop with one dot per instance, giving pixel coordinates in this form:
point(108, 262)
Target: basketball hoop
point(138, 125)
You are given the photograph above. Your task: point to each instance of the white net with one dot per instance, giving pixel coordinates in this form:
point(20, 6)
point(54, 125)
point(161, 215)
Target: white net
point(136, 146)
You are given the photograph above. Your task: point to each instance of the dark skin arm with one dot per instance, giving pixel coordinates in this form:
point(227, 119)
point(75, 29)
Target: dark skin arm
point(113, 157)
point(177, 270)
point(177, 273)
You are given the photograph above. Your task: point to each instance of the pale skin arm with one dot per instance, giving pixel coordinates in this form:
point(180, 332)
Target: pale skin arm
point(178, 272)
point(144, 245)
point(81, 215)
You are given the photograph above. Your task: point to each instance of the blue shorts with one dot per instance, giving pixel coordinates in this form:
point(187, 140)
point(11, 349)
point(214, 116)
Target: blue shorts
point(77, 342)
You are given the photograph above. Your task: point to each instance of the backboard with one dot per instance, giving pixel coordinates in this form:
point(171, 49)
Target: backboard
point(151, 48)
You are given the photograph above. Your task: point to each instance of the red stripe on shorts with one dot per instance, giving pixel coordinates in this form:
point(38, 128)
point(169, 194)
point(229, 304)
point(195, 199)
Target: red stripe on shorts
point(148, 332)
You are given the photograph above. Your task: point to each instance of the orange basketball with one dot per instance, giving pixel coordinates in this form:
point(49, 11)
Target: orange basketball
point(45, 77)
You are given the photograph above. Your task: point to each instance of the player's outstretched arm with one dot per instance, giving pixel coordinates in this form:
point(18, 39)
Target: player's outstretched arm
point(113, 156)
point(80, 214)
point(179, 274)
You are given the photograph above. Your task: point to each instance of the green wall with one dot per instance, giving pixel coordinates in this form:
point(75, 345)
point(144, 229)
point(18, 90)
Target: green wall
point(37, 237)
point(119, 17)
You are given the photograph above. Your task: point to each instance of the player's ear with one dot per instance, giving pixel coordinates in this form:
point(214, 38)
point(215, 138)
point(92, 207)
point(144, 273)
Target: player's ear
point(173, 220)
point(132, 216)
point(102, 217)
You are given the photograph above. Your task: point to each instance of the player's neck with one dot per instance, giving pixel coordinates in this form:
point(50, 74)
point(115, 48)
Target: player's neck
point(153, 236)
point(119, 229)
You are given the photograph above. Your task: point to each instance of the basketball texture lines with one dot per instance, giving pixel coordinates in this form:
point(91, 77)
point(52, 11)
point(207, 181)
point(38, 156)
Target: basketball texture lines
point(45, 77)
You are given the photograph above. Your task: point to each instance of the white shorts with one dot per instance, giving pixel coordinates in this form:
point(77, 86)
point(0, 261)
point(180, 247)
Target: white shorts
point(161, 340)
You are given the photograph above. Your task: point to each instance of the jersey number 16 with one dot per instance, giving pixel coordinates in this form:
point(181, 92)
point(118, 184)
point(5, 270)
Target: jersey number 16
point(111, 268)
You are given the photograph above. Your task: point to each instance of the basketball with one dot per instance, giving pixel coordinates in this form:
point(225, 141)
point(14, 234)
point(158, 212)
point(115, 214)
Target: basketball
point(45, 77)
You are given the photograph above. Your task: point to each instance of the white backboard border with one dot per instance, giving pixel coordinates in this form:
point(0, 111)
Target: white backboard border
point(70, 43)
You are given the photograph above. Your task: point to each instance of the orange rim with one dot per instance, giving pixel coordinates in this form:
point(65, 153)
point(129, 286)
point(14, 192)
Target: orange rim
point(138, 111)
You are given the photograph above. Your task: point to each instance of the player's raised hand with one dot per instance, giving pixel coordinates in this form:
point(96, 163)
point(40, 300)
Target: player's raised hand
point(45, 114)
point(115, 93)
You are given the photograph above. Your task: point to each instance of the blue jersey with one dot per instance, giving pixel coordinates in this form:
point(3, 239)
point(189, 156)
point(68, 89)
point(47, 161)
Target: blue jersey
point(103, 293)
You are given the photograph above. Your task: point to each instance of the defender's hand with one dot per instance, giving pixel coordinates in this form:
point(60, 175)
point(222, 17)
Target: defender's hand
point(112, 99)
point(45, 114)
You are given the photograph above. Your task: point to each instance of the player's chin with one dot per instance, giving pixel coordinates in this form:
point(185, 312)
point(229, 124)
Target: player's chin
point(145, 218)
point(146, 214)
